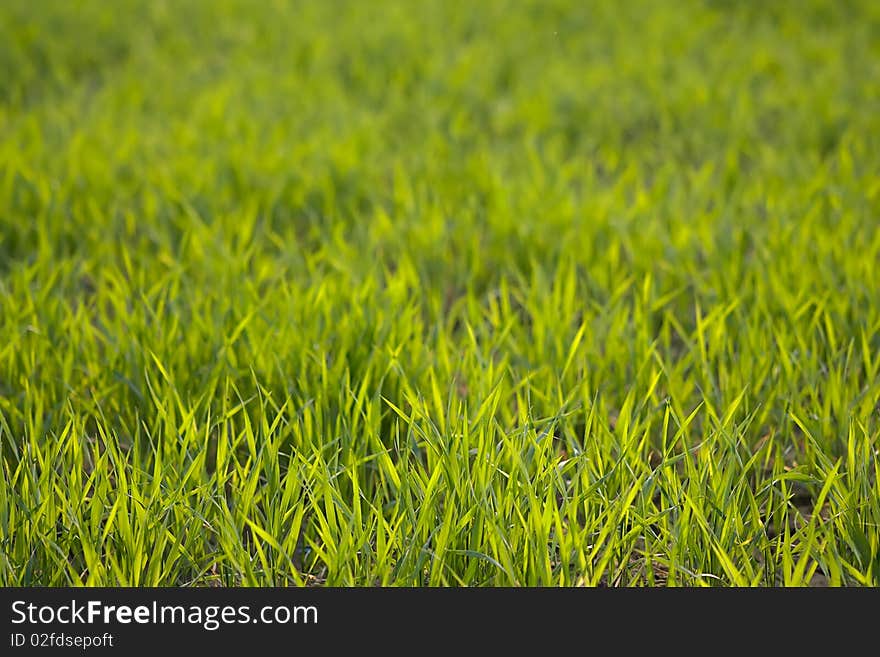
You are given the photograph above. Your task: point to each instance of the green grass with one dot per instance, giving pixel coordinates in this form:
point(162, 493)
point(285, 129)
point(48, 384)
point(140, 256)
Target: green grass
point(439, 293)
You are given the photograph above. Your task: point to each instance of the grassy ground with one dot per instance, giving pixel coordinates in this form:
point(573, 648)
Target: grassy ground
point(439, 293)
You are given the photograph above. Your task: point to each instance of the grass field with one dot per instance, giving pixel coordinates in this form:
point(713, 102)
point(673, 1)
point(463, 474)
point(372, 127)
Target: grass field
point(439, 293)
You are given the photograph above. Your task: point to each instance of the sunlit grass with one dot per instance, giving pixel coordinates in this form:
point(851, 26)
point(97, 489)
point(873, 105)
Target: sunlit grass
point(439, 293)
